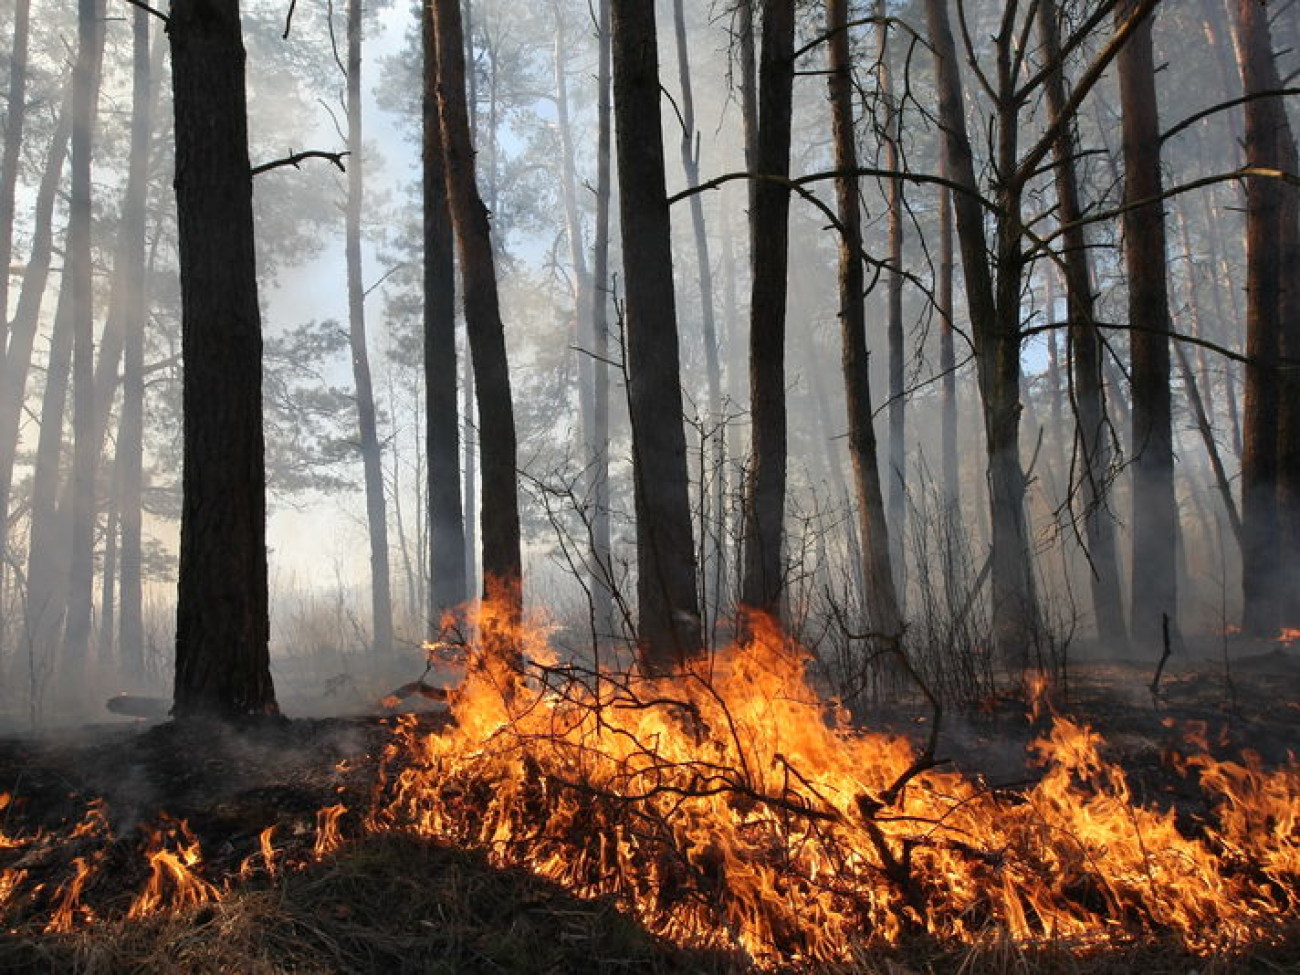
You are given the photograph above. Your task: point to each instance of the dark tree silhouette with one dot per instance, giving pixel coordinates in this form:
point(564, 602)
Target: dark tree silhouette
point(668, 628)
point(1155, 513)
point(448, 585)
point(762, 580)
point(502, 567)
point(222, 628)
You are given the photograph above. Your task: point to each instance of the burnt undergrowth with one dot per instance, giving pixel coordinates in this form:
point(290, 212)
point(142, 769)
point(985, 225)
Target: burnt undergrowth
point(392, 902)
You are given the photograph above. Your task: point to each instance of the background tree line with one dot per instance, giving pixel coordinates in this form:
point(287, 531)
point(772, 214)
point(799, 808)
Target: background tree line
point(587, 358)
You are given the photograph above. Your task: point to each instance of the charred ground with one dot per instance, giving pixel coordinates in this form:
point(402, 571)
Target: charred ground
point(393, 903)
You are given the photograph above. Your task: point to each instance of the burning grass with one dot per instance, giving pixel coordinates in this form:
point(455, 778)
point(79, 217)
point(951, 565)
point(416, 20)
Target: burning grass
point(726, 811)
point(730, 807)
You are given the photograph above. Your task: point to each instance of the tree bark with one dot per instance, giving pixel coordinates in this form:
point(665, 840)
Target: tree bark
point(948, 395)
point(995, 321)
point(1155, 513)
point(1270, 219)
point(79, 275)
point(1091, 424)
point(47, 547)
point(668, 624)
point(222, 626)
point(381, 601)
point(597, 433)
point(448, 586)
point(1200, 401)
point(892, 133)
point(763, 581)
point(130, 271)
point(714, 554)
point(27, 315)
point(15, 116)
point(879, 597)
point(502, 563)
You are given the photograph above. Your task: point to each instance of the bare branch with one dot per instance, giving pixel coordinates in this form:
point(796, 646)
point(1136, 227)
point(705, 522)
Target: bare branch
point(151, 10)
point(1224, 106)
point(294, 158)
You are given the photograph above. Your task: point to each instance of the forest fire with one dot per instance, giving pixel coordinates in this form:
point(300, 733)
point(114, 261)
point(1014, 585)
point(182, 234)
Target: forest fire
point(730, 807)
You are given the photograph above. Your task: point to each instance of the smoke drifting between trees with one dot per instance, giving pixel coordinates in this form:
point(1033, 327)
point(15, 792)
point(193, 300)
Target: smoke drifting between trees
point(1061, 238)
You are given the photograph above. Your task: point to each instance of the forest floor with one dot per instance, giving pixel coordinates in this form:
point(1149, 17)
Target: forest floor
point(389, 903)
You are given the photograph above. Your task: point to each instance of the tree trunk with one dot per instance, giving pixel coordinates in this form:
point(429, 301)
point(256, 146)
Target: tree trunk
point(47, 548)
point(597, 432)
point(222, 627)
point(1267, 232)
point(1092, 425)
point(381, 601)
point(894, 283)
point(714, 568)
point(879, 597)
point(502, 564)
point(747, 51)
point(27, 315)
point(15, 116)
point(134, 310)
point(79, 275)
point(948, 395)
point(469, 469)
point(668, 625)
point(1201, 403)
point(448, 585)
point(1155, 513)
point(762, 583)
point(995, 321)
point(108, 587)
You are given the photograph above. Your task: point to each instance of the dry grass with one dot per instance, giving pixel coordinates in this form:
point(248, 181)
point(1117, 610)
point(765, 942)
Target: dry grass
point(393, 904)
point(387, 904)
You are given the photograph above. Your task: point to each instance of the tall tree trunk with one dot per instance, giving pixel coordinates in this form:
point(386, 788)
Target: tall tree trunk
point(1200, 401)
point(948, 395)
point(15, 117)
point(879, 597)
point(1288, 430)
point(1091, 422)
point(469, 468)
point(597, 433)
point(502, 564)
point(27, 315)
point(448, 584)
point(47, 549)
point(747, 50)
point(1270, 218)
point(79, 273)
point(668, 625)
point(222, 625)
point(762, 583)
point(381, 601)
point(130, 272)
point(995, 321)
point(1155, 512)
point(108, 587)
point(714, 568)
point(894, 282)
point(1227, 319)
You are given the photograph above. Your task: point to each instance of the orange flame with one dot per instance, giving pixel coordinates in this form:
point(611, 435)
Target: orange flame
point(729, 806)
point(7, 842)
point(173, 883)
point(1288, 635)
point(94, 827)
point(327, 830)
point(69, 907)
